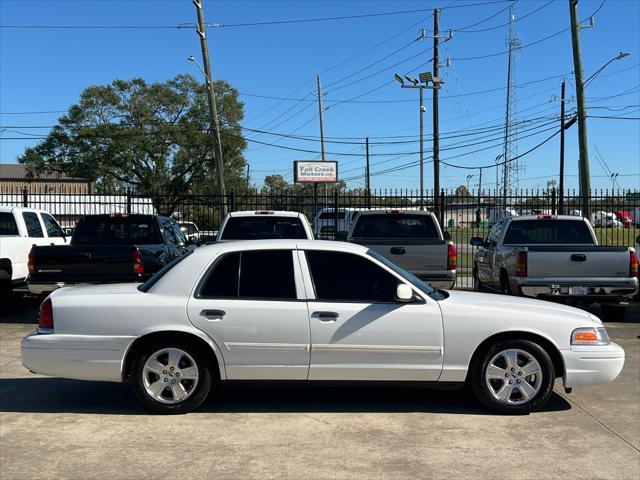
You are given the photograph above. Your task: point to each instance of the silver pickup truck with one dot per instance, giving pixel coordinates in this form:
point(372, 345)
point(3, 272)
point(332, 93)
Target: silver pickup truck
point(555, 257)
point(412, 239)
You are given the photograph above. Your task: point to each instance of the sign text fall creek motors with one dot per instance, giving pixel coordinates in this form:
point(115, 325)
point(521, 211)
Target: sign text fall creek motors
point(315, 172)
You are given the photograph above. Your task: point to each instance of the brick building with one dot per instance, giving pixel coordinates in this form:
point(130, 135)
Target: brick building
point(14, 178)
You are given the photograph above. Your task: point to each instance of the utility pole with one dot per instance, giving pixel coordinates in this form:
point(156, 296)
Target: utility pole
point(321, 130)
point(478, 216)
point(436, 126)
point(367, 180)
point(213, 111)
point(248, 177)
point(421, 150)
point(583, 163)
point(561, 199)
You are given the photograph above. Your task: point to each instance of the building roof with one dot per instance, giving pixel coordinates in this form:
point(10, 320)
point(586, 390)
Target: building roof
point(17, 171)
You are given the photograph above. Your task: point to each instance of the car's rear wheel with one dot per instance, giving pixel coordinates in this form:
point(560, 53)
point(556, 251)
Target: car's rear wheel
point(171, 377)
point(513, 377)
point(478, 286)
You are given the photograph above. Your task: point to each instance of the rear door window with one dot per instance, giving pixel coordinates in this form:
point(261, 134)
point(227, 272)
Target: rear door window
point(263, 227)
point(8, 224)
point(259, 274)
point(400, 225)
point(34, 229)
point(52, 227)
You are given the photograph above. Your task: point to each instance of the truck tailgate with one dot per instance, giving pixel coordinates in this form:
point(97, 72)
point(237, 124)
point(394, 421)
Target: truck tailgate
point(414, 256)
point(90, 264)
point(575, 261)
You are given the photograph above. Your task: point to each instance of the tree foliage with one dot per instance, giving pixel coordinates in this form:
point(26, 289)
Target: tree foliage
point(150, 137)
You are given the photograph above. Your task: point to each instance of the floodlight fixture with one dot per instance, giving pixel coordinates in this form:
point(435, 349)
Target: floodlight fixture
point(398, 78)
point(411, 79)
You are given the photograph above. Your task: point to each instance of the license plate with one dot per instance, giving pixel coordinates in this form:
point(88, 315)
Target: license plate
point(578, 290)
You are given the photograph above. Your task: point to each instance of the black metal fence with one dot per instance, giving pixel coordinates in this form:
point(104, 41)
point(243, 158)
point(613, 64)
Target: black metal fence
point(614, 214)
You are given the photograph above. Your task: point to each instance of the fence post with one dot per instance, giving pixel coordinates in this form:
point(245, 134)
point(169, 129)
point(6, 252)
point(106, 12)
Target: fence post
point(441, 209)
point(335, 214)
point(128, 200)
point(232, 200)
point(553, 201)
point(25, 197)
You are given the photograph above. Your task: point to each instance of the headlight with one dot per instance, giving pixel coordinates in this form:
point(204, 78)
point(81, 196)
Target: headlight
point(590, 336)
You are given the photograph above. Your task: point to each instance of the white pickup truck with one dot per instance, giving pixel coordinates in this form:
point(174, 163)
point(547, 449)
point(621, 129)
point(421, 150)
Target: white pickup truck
point(263, 225)
point(20, 229)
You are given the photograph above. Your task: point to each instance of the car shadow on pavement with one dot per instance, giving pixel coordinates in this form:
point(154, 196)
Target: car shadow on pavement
point(55, 395)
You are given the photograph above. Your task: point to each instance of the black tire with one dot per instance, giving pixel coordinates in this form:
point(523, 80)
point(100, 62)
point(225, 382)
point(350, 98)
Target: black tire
point(505, 286)
point(5, 288)
point(200, 390)
point(481, 388)
point(478, 286)
point(613, 313)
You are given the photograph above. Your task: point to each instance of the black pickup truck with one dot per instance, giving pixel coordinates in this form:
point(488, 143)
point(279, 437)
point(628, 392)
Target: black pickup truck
point(108, 249)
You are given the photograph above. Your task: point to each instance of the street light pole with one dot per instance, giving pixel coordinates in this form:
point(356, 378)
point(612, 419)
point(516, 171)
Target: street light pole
point(213, 111)
point(422, 109)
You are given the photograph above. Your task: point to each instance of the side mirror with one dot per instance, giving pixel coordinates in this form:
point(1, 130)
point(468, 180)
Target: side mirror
point(638, 240)
point(404, 293)
point(446, 236)
point(476, 241)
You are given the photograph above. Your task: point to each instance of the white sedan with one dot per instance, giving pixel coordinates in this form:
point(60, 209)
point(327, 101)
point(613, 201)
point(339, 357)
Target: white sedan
point(312, 310)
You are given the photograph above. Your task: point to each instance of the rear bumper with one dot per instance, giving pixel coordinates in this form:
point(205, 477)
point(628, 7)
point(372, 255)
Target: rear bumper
point(42, 288)
point(559, 288)
point(83, 357)
point(438, 280)
point(592, 365)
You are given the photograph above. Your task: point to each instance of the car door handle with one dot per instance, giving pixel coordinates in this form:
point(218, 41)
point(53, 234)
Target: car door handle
point(579, 257)
point(326, 316)
point(398, 250)
point(213, 314)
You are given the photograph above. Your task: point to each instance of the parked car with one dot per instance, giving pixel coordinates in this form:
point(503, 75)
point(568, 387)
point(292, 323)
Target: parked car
point(495, 214)
point(605, 219)
point(411, 238)
point(264, 224)
point(326, 219)
point(191, 231)
point(20, 229)
point(624, 218)
point(108, 249)
point(329, 311)
point(555, 257)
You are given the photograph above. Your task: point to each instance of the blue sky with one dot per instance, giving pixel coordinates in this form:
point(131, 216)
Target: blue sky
point(44, 70)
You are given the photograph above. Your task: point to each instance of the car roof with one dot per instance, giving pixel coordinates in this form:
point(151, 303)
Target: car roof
point(280, 244)
point(272, 213)
point(389, 210)
point(5, 208)
point(553, 217)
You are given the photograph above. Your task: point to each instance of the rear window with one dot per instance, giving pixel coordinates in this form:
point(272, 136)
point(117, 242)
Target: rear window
point(396, 226)
point(257, 228)
point(119, 230)
point(332, 215)
point(541, 232)
point(8, 224)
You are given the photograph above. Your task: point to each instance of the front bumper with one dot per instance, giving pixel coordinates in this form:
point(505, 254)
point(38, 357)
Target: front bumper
point(83, 357)
point(592, 365)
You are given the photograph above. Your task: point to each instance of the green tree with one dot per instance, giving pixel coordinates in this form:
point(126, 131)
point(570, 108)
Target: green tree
point(150, 137)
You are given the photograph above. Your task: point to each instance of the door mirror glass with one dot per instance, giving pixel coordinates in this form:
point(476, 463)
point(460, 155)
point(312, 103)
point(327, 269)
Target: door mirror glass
point(475, 241)
point(404, 293)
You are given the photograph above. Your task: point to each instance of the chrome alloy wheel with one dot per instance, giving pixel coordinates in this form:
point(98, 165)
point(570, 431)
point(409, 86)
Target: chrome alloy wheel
point(170, 375)
point(513, 376)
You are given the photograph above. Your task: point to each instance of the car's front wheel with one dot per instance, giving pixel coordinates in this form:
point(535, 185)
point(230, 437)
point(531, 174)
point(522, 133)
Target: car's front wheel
point(513, 377)
point(171, 377)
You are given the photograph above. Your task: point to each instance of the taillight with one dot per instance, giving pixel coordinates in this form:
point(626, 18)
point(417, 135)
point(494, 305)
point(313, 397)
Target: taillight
point(452, 257)
point(521, 264)
point(138, 264)
point(31, 262)
point(45, 316)
point(633, 264)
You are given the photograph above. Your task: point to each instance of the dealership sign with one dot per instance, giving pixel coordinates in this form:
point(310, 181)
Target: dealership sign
point(315, 172)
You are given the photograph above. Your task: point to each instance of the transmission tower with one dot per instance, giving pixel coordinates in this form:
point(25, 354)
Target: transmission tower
point(511, 168)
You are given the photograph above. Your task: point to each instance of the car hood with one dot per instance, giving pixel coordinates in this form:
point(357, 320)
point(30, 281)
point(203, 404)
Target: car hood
point(517, 309)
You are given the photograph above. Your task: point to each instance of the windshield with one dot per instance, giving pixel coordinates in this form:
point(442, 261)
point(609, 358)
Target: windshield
point(412, 279)
point(264, 227)
point(391, 225)
point(548, 232)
